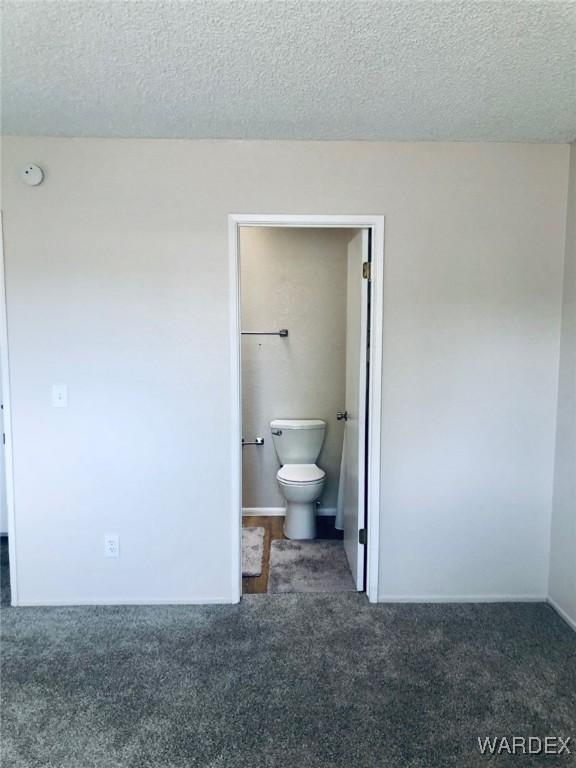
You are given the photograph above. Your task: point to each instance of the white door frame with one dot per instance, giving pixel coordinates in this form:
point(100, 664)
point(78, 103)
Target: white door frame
point(376, 225)
point(8, 464)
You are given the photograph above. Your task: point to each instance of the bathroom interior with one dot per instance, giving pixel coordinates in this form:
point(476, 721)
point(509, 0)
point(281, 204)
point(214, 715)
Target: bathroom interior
point(298, 287)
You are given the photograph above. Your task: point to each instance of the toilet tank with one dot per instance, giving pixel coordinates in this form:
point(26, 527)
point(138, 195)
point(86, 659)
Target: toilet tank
point(298, 441)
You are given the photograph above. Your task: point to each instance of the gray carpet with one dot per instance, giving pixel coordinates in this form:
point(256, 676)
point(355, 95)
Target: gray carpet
point(284, 681)
point(252, 550)
point(308, 566)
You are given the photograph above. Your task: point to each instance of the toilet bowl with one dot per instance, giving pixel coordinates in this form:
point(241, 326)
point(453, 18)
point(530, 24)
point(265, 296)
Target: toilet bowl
point(298, 443)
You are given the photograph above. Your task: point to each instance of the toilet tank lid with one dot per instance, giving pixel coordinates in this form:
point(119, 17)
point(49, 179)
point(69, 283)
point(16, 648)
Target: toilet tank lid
point(297, 424)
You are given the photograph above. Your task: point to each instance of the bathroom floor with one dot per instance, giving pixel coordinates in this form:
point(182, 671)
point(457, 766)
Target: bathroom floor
point(252, 585)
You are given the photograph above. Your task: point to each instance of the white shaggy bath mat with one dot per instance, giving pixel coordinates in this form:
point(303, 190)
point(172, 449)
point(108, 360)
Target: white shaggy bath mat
point(252, 551)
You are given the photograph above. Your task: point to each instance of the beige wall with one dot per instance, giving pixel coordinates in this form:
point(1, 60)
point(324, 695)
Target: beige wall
point(117, 273)
point(563, 543)
point(295, 279)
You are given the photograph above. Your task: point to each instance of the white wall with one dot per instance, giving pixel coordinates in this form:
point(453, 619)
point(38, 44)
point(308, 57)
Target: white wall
point(294, 279)
point(563, 541)
point(117, 280)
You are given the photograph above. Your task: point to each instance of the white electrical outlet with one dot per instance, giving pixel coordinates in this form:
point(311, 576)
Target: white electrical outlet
point(111, 545)
point(59, 395)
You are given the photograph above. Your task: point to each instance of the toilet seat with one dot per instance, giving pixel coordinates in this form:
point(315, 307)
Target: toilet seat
point(300, 474)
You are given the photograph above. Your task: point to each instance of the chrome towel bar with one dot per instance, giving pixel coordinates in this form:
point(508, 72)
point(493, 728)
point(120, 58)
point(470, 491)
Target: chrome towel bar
point(283, 332)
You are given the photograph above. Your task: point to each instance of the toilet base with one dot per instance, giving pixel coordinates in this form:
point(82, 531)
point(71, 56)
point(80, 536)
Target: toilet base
point(300, 520)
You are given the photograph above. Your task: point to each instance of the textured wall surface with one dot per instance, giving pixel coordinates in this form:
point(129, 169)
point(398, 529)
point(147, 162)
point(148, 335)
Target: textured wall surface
point(563, 541)
point(117, 284)
point(295, 279)
point(344, 69)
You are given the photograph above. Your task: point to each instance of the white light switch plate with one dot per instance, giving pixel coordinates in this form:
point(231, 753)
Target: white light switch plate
point(111, 545)
point(59, 395)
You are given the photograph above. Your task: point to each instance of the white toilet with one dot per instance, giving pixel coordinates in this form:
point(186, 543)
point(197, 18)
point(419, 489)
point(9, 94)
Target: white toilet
point(298, 443)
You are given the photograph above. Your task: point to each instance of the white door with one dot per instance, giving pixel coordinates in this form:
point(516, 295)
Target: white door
point(355, 430)
point(3, 510)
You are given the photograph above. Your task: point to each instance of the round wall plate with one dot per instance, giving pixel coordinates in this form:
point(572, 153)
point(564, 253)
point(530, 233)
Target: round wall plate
point(32, 175)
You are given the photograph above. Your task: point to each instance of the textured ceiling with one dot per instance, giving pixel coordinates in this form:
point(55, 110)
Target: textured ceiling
point(296, 69)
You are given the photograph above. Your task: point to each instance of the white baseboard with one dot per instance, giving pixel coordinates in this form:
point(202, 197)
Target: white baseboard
point(462, 598)
point(268, 511)
point(562, 613)
point(119, 601)
point(280, 511)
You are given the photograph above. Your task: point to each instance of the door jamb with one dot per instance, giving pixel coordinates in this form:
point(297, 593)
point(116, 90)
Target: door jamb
point(376, 225)
point(7, 413)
